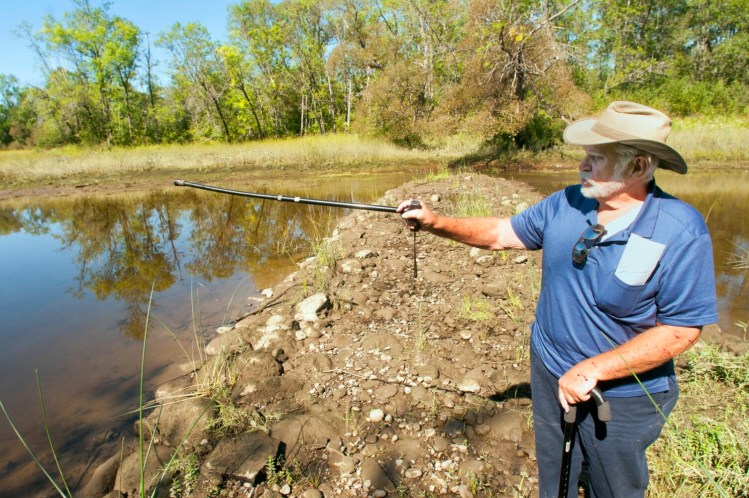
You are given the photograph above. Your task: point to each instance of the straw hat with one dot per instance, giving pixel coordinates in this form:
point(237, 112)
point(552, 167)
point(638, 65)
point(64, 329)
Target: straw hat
point(632, 124)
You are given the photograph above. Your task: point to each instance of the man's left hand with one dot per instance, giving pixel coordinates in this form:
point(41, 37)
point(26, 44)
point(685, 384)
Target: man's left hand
point(575, 385)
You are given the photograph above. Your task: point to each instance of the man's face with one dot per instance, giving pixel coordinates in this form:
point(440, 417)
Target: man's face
point(597, 175)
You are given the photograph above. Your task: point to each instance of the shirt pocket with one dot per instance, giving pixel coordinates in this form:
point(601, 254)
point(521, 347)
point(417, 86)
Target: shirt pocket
point(617, 298)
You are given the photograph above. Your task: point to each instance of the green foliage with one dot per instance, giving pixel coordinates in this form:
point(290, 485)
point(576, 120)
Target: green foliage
point(704, 449)
point(416, 73)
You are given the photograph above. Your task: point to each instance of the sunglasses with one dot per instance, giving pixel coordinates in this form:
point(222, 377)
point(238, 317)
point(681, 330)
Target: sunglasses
point(590, 237)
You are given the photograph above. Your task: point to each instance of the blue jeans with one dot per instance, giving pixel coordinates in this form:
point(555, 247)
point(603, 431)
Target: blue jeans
point(613, 452)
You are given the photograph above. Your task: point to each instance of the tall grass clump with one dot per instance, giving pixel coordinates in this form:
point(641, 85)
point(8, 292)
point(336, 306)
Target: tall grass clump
point(470, 205)
point(704, 448)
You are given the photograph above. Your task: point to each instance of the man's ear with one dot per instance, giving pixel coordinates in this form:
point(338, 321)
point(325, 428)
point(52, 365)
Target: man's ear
point(639, 166)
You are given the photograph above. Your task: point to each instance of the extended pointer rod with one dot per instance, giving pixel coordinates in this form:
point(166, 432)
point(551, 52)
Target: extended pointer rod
point(283, 198)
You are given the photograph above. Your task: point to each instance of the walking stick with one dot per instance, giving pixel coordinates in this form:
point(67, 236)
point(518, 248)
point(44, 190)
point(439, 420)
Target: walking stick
point(301, 200)
point(604, 415)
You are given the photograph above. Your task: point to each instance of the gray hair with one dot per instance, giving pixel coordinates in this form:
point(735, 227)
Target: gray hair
point(625, 158)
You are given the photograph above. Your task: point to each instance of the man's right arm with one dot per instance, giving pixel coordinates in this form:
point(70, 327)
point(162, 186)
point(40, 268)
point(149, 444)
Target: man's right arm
point(486, 233)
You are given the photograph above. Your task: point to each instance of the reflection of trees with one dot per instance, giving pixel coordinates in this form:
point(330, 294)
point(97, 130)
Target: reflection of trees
point(33, 220)
point(123, 245)
point(231, 232)
point(123, 248)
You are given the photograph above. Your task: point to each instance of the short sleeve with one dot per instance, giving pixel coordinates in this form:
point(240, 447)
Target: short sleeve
point(529, 225)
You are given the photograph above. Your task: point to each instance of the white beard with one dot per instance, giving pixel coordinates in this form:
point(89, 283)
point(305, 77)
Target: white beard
point(604, 190)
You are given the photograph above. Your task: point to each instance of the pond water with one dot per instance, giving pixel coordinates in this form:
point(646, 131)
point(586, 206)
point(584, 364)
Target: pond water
point(80, 275)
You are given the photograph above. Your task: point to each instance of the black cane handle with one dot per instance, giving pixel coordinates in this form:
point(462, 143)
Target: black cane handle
point(602, 405)
point(414, 205)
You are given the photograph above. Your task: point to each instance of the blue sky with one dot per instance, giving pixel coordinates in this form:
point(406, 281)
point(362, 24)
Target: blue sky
point(153, 16)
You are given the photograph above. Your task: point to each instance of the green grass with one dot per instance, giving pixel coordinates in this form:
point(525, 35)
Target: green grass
point(476, 309)
point(704, 448)
point(470, 205)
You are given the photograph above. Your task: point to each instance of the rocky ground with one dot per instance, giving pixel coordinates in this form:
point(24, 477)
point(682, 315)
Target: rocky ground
point(353, 378)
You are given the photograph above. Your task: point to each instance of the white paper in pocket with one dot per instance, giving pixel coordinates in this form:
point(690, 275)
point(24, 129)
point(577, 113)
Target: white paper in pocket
point(639, 259)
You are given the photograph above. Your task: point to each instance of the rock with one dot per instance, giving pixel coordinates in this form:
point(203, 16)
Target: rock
point(303, 432)
point(386, 391)
point(413, 473)
point(376, 416)
point(251, 368)
point(440, 444)
point(312, 493)
point(226, 343)
point(102, 481)
point(307, 310)
point(434, 277)
point(345, 464)
point(224, 329)
point(485, 261)
point(127, 480)
point(385, 314)
point(507, 425)
point(523, 258)
point(245, 457)
point(187, 420)
point(469, 385)
point(494, 289)
point(520, 207)
point(350, 266)
point(372, 472)
point(383, 342)
point(366, 254)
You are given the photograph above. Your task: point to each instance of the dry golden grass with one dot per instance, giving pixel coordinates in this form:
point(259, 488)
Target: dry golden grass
point(30, 166)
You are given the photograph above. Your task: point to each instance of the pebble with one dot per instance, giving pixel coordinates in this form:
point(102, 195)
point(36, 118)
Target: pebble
point(413, 473)
point(376, 415)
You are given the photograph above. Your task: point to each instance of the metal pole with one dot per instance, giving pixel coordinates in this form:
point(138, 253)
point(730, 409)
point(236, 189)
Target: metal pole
point(604, 415)
point(283, 198)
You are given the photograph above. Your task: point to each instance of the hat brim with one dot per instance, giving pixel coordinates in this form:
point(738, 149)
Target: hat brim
point(581, 133)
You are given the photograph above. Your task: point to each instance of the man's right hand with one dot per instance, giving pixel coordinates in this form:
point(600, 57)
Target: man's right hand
point(418, 218)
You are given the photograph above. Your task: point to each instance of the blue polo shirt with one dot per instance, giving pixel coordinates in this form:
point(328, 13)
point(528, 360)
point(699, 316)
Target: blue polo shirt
point(584, 311)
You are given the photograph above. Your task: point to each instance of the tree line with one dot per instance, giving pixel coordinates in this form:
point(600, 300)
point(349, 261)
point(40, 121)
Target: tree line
point(415, 71)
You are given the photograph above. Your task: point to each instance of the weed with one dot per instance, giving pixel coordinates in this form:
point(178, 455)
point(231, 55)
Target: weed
point(186, 469)
point(476, 309)
point(442, 173)
point(742, 325)
point(739, 259)
point(470, 205)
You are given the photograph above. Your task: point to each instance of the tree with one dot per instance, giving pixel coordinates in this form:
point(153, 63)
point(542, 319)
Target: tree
point(10, 98)
point(101, 52)
point(199, 74)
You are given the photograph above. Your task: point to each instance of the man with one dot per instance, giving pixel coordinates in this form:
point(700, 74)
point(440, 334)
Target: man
point(628, 283)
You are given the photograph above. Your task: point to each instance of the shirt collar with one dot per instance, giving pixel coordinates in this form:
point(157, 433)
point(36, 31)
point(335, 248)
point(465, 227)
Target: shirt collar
point(644, 224)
